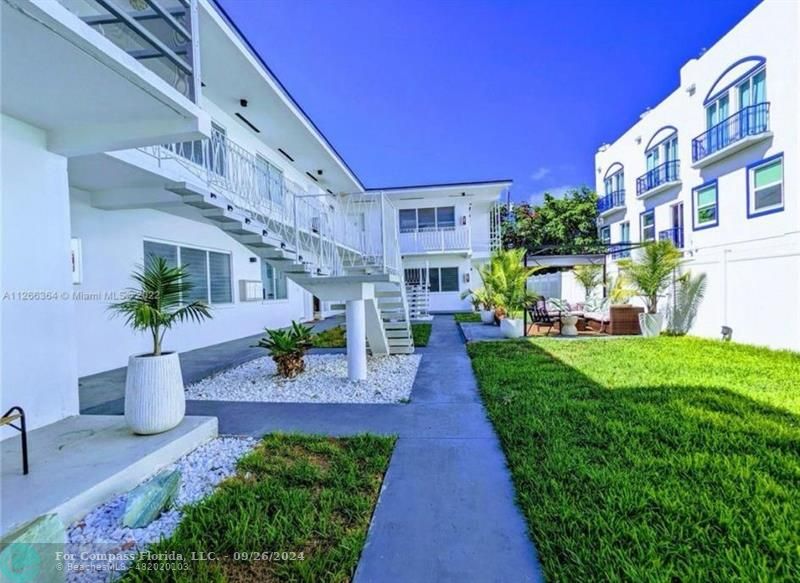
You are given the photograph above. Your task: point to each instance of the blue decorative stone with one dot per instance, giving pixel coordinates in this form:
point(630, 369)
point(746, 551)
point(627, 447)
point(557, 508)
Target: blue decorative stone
point(147, 501)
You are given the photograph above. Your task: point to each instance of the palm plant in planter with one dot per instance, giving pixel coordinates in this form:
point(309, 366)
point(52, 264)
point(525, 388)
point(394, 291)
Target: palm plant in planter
point(154, 394)
point(650, 274)
point(508, 278)
point(287, 348)
point(482, 301)
point(589, 277)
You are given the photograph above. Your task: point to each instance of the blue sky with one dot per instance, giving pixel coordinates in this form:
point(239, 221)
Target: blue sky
point(420, 91)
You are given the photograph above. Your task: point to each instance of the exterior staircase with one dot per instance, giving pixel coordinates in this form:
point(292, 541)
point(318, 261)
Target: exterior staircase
point(332, 271)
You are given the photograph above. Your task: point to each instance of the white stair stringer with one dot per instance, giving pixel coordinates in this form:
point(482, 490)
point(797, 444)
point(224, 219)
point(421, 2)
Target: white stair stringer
point(388, 325)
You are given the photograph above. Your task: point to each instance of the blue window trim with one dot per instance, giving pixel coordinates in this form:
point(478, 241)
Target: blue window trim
point(617, 167)
point(641, 225)
point(715, 183)
point(714, 93)
point(651, 145)
point(752, 215)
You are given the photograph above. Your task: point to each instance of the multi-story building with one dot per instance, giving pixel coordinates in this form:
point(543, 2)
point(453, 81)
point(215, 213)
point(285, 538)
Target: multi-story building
point(714, 168)
point(139, 129)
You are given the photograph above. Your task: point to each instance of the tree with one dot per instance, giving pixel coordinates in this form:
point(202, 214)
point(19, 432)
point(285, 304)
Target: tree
point(650, 273)
point(589, 276)
point(563, 225)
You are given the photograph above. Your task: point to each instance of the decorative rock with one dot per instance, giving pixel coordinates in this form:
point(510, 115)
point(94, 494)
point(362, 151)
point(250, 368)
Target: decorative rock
point(147, 501)
point(29, 553)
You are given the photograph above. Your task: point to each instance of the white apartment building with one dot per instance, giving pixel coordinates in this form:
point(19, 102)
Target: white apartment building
point(132, 129)
point(714, 168)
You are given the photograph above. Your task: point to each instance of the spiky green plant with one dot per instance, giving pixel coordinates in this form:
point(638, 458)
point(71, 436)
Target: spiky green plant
point(157, 303)
point(618, 291)
point(481, 298)
point(689, 293)
point(650, 273)
point(288, 347)
point(507, 277)
point(589, 276)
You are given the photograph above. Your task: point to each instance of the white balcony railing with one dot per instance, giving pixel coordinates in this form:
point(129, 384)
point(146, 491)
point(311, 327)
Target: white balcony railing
point(435, 240)
point(330, 232)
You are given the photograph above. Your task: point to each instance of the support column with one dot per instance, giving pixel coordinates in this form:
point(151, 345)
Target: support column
point(356, 340)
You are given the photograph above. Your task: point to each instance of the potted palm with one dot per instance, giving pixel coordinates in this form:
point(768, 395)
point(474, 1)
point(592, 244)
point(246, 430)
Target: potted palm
point(154, 395)
point(650, 274)
point(508, 278)
point(482, 302)
point(288, 348)
point(589, 277)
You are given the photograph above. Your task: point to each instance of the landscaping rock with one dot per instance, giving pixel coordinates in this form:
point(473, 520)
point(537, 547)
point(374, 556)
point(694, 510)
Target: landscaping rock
point(29, 553)
point(147, 501)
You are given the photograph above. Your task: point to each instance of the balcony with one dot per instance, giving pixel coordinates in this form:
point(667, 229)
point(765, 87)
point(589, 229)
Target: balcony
point(620, 250)
point(611, 202)
point(675, 234)
point(430, 241)
point(659, 179)
point(739, 131)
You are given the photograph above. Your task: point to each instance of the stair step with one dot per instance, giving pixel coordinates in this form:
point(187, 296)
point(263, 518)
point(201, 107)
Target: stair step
point(200, 201)
point(400, 341)
point(395, 325)
point(398, 333)
point(297, 268)
point(388, 294)
point(223, 215)
point(386, 306)
point(257, 241)
point(278, 254)
point(243, 228)
point(338, 306)
point(401, 350)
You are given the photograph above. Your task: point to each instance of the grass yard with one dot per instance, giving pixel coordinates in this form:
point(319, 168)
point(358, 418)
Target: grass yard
point(335, 337)
point(467, 317)
point(299, 495)
point(670, 459)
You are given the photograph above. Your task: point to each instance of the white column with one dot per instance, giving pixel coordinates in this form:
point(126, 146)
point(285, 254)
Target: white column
point(356, 340)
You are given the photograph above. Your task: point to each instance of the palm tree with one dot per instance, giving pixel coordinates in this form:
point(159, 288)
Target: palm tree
point(651, 272)
point(287, 348)
point(507, 277)
point(158, 302)
point(589, 276)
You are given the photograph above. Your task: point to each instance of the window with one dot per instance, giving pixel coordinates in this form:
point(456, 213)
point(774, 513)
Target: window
point(704, 201)
point(427, 219)
point(605, 235)
point(443, 279)
point(753, 90)
point(625, 232)
point(208, 271)
point(274, 282)
point(270, 180)
point(765, 186)
point(615, 182)
point(648, 225)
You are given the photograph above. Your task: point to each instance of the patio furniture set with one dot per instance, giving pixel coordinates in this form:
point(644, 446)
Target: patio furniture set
point(571, 319)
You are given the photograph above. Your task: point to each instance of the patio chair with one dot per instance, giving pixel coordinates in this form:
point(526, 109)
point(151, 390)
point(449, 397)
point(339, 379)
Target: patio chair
point(541, 316)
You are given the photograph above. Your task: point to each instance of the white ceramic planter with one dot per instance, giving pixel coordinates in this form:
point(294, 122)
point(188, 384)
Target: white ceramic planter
point(511, 328)
point(487, 316)
point(651, 324)
point(154, 398)
point(568, 325)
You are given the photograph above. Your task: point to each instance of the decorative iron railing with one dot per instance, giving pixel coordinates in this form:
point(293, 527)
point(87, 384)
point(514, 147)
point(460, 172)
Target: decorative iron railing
point(662, 174)
point(330, 232)
point(748, 121)
point(674, 234)
point(161, 34)
point(620, 250)
point(432, 240)
point(611, 201)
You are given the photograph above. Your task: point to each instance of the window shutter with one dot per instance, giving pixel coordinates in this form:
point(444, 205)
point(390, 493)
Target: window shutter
point(219, 269)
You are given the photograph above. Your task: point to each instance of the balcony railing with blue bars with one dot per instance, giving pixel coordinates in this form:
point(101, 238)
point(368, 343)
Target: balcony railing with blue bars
point(748, 121)
point(620, 250)
point(661, 174)
point(675, 234)
point(611, 201)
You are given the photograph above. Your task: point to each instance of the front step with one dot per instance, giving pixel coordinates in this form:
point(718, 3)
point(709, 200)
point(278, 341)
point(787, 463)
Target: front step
point(400, 342)
point(401, 350)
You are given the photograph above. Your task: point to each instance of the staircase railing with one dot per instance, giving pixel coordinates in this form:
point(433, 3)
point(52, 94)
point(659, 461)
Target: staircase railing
point(331, 232)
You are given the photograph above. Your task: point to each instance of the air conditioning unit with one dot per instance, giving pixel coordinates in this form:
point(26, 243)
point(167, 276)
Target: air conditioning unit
point(250, 290)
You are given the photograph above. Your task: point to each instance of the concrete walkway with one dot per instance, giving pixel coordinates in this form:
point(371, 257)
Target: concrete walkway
point(446, 511)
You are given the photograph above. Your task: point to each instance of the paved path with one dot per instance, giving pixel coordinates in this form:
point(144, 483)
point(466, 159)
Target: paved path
point(446, 511)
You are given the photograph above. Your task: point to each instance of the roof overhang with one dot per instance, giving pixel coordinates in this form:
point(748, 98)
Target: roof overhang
point(89, 95)
point(488, 190)
point(232, 70)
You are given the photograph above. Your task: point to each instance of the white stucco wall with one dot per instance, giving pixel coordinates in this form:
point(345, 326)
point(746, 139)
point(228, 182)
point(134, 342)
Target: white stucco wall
point(38, 357)
point(761, 283)
point(112, 244)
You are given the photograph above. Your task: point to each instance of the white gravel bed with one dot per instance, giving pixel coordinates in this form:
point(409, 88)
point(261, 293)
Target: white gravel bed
point(389, 380)
point(101, 531)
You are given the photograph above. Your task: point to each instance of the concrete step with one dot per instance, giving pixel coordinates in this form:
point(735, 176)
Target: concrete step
point(224, 215)
point(338, 306)
point(387, 306)
point(398, 333)
point(202, 202)
point(278, 254)
point(400, 342)
point(295, 267)
point(395, 325)
point(388, 294)
point(245, 227)
point(258, 241)
point(401, 350)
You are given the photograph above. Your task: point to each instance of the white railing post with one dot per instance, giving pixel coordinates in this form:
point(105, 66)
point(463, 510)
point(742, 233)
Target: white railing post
point(296, 226)
point(383, 232)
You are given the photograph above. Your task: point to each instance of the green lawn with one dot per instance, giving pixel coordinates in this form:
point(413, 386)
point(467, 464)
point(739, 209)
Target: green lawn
point(666, 459)
point(467, 317)
point(306, 496)
point(335, 337)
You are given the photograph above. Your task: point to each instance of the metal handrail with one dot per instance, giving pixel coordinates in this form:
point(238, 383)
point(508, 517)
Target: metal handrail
point(748, 121)
point(669, 171)
point(611, 200)
point(674, 234)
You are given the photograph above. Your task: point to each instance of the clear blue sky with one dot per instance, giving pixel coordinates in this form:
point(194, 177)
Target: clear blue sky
point(421, 91)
